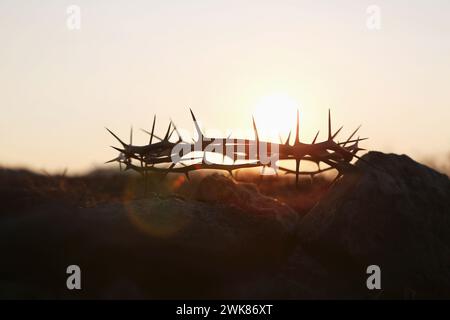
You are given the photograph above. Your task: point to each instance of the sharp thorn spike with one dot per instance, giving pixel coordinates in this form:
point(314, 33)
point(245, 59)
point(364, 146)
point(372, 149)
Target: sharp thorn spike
point(288, 138)
point(197, 127)
point(153, 135)
point(176, 130)
point(351, 136)
point(297, 171)
point(361, 139)
point(118, 149)
point(315, 138)
point(171, 133)
point(166, 137)
point(329, 124)
point(336, 133)
point(121, 142)
point(131, 135)
point(192, 114)
point(113, 160)
point(153, 129)
point(256, 130)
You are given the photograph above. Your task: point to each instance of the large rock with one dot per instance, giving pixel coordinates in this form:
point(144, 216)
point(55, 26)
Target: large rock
point(156, 247)
point(394, 213)
point(218, 189)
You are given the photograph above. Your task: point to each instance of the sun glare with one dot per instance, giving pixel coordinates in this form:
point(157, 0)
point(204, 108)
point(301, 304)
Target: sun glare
point(275, 115)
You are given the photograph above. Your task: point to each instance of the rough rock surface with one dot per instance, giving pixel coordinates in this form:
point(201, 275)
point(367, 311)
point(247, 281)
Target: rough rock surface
point(218, 189)
point(158, 247)
point(395, 214)
point(230, 241)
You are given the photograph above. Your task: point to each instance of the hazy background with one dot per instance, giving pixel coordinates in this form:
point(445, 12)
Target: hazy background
point(131, 59)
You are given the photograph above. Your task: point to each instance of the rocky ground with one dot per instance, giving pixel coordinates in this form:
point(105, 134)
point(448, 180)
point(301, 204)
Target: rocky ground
point(229, 240)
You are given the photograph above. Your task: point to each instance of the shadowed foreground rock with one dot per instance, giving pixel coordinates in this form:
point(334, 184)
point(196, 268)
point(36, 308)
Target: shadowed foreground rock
point(160, 247)
point(397, 216)
point(230, 241)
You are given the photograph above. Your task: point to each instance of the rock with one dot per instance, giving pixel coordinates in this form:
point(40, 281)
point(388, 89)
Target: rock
point(157, 247)
point(218, 189)
point(395, 214)
point(200, 249)
point(230, 241)
point(216, 228)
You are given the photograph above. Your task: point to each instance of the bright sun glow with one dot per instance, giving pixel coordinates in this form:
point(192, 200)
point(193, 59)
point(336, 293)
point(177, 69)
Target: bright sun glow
point(275, 115)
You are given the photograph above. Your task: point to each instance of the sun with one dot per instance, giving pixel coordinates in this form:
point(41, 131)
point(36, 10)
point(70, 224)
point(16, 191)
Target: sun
point(275, 115)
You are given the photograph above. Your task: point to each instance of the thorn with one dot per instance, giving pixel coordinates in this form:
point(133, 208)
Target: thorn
point(120, 150)
point(297, 171)
point(356, 140)
point(356, 150)
point(297, 132)
point(336, 133)
point(351, 136)
point(113, 160)
point(168, 131)
point(329, 124)
point(288, 138)
point(131, 135)
point(152, 135)
point(317, 134)
point(199, 132)
point(178, 133)
point(121, 142)
point(153, 129)
point(193, 116)
point(168, 170)
point(170, 135)
point(256, 130)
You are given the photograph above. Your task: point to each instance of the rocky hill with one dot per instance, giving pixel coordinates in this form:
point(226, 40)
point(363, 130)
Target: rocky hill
point(227, 240)
point(394, 213)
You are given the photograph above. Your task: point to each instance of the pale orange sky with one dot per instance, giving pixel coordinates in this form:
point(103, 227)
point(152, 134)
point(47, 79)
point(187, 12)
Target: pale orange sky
point(132, 59)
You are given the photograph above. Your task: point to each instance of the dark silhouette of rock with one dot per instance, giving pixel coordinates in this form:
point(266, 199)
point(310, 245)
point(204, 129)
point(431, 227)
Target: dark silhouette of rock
point(218, 189)
point(394, 213)
point(156, 247)
point(230, 241)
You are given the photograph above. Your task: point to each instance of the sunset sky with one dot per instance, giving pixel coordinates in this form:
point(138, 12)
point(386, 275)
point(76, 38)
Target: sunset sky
point(226, 60)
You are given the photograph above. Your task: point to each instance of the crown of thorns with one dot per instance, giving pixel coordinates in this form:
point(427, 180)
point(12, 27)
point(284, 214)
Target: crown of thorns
point(166, 156)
